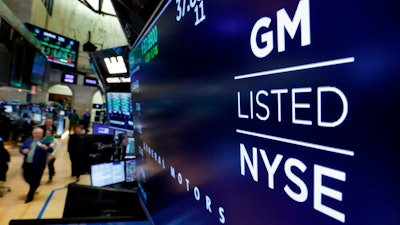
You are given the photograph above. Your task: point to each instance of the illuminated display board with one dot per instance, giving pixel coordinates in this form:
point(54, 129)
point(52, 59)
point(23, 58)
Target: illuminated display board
point(269, 112)
point(57, 49)
point(107, 173)
point(119, 110)
point(38, 69)
point(112, 66)
point(69, 78)
point(90, 81)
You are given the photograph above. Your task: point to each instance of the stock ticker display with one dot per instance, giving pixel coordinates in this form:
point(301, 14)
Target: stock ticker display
point(119, 108)
point(269, 112)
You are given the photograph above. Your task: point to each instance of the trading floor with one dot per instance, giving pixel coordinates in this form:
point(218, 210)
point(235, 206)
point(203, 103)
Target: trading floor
point(49, 199)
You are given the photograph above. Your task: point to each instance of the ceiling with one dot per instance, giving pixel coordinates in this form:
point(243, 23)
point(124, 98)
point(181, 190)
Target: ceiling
point(106, 24)
point(102, 7)
point(73, 19)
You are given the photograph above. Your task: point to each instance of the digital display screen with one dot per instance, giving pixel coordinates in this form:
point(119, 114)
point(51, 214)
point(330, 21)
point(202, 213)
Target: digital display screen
point(35, 109)
point(99, 128)
point(130, 166)
point(97, 106)
point(37, 117)
point(22, 60)
point(115, 65)
point(38, 69)
point(73, 222)
point(119, 110)
point(69, 78)
point(8, 108)
point(107, 173)
point(80, 221)
point(111, 67)
point(130, 149)
point(57, 49)
point(269, 112)
point(5, 63)
point(90, 82)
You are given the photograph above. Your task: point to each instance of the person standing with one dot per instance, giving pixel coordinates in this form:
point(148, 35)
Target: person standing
point(20, 131)
point(76, 153)
point(4, 160)
point(35, 152)
point(5, 125)
point(73, 120)
point(86, 120)
point(49, 125)
point(49, 137)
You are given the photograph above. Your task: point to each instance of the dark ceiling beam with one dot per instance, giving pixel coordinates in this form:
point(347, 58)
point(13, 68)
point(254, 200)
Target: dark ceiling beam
point(85, 3)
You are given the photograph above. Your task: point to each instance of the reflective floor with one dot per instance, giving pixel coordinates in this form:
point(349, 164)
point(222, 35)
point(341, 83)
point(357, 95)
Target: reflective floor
point(50, 197)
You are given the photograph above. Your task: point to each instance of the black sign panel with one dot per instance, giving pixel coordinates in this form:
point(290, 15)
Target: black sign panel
point(268, 112)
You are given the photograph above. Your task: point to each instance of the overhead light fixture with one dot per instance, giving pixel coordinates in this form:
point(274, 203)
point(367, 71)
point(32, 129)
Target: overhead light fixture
point(89, 46)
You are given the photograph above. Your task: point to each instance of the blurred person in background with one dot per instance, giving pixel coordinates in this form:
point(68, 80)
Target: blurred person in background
point(4, 160)
point(49, 137)
point(73, 120)
point(76, 153)
point(23, 129)
point(5, 125)
point(49, 125)
point(86, 120)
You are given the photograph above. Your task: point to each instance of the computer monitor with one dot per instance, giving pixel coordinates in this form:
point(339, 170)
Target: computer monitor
point(35, 109)
point(105, 174)
point(37, 117)
point(89, 201)
point(99, 128)
point(59, 50)
point(130, 170)
point(81, 221)
point(119, 110)
point(8, 108)
point(130, 149)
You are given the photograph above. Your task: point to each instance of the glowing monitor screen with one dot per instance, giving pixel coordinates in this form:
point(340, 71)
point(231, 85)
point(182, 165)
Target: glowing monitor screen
point(119, 108)
point(57, 49)
point(130, 170)
point(8, 108)
point(107, 173)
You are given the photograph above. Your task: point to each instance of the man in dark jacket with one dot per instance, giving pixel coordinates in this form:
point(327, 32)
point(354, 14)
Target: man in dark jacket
point(73, 120)
point(86, 120)
point(5, 125)
point(23, 129)
point(76, 153)
point(49, 125)
point(35, 152)
point(4, 160)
